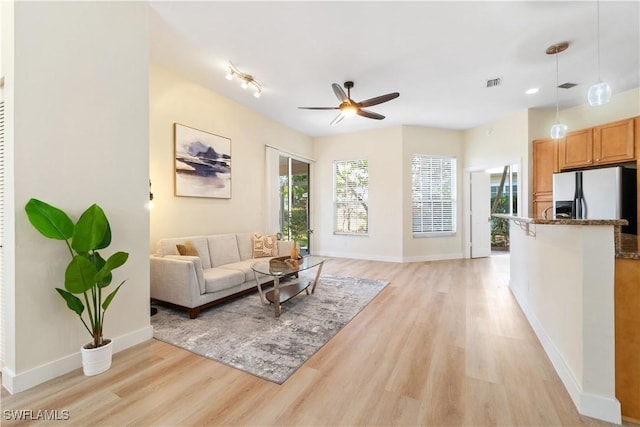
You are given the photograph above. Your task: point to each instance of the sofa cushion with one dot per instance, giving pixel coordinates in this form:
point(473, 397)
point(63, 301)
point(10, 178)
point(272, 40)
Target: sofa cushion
point(168, 247)
point(245, 245)
point(265, 245)
point(244, 267)
point(223, 249)
point(218, 279)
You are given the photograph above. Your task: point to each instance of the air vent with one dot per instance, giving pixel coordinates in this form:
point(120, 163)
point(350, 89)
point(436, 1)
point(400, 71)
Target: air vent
point(494, 82)
point(567, 85)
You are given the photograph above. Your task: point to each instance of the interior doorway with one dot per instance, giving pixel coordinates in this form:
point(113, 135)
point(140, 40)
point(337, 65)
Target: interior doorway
point(504, 200)
point(294, 188)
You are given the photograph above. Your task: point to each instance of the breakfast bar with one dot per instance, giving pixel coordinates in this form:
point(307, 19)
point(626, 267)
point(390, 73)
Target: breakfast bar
point(564, 275)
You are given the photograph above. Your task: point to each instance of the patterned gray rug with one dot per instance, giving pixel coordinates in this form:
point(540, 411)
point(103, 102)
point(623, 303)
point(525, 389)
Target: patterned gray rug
point(245, 334)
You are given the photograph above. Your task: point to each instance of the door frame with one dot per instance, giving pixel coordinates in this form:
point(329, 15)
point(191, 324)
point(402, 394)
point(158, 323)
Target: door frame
point(311, 163)
point(466, 195)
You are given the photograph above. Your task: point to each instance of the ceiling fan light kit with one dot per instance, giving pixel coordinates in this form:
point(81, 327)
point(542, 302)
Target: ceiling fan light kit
point(348, 107)
point(246, 80)
point(558, 130)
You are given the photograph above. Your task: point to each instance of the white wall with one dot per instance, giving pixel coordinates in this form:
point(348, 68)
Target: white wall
point(383, 149)
point(438, 142)
point(498, 143)
point(389, 153)
point(174, 99)
point(77, 134)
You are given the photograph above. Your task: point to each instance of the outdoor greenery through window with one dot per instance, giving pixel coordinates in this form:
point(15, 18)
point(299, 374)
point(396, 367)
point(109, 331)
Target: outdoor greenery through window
point(351, 194)
point(433, 193)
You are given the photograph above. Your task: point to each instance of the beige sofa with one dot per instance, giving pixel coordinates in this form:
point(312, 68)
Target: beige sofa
point(221, 271)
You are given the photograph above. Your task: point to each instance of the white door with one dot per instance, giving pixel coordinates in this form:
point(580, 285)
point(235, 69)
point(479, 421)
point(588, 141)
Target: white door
point(480, 213)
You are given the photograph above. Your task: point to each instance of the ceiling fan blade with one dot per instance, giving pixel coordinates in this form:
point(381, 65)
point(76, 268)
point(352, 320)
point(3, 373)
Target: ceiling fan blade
point(378, 100)
point(339, 92)
point(319, 108)
point(369, 114)
point(338, 118)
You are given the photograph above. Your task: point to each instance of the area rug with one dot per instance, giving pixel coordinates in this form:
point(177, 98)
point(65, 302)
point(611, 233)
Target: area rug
point(245, 334)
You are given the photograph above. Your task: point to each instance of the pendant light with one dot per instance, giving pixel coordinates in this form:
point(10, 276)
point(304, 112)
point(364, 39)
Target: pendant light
point(558, 130)
point(599, 93)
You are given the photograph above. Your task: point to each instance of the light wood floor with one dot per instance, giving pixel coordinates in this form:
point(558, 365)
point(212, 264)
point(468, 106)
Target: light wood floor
point(444, 344)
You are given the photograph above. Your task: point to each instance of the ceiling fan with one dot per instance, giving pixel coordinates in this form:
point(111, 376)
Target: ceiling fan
point(349, 107)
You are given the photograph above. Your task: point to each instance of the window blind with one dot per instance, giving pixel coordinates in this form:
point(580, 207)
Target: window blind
point(433, 192)
point(351, 194)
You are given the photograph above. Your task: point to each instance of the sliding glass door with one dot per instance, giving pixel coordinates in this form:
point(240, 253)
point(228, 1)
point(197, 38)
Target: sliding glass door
point(294, 202)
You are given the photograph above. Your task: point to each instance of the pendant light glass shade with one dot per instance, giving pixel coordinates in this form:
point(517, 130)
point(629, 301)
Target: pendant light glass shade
point(599, 93)
point(559, 130)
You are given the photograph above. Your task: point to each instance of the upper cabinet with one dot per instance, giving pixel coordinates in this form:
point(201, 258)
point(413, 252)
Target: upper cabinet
point(576, 149)
point(544, 165)
point(613, 142)
point(600, 145)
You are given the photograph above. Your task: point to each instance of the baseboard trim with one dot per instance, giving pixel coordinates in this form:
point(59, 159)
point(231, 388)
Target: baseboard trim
point(437, 257)
point(590, 405)
point(368, 257)
point(16, 383)
point(384, 258)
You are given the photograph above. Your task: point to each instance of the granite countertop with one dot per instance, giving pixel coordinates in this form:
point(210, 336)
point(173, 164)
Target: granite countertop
point(626, 244)
point(563, 221)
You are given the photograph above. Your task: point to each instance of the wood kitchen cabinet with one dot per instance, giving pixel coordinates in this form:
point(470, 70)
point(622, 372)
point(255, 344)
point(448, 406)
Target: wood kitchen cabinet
point(545, 163)
point(576, 149)
point(627, 333)
point(613, 142)
point(600, 145)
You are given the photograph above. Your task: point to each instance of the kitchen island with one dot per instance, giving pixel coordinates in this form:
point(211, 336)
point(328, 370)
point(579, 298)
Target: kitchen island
point(564, 276)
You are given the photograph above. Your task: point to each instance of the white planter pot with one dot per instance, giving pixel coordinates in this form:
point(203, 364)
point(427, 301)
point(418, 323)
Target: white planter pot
point(96, 360)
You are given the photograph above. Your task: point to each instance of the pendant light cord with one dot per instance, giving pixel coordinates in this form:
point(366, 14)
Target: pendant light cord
point(557, 92)
point(598, 33)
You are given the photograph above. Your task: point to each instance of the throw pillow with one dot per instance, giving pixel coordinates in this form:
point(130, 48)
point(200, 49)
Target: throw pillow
point(187, 249)
point(264, 246)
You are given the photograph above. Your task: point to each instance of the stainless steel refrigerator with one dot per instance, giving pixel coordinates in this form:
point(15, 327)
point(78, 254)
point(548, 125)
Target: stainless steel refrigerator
point(607, 193)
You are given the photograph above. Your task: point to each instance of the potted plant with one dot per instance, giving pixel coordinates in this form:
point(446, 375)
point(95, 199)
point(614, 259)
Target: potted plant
point(87, 274)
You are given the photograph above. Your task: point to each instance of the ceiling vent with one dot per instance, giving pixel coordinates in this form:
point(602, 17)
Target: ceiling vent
point(494, 82)
point(567, 85)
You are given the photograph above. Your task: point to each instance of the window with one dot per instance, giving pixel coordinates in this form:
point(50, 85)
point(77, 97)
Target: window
point(351, 191)
point(433, 194)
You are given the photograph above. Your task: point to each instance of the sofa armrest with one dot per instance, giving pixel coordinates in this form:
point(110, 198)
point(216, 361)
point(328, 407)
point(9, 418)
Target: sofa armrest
point(284, 247)
point(177, 279)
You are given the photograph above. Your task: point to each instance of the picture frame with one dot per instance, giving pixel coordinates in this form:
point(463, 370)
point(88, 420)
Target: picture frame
point(202, 163)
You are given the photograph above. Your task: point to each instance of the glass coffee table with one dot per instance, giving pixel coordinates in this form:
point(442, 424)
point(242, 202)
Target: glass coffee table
point(285, 267)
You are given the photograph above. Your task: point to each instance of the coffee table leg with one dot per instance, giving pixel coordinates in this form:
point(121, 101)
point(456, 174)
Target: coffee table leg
point(315, 281)
point(276, 295)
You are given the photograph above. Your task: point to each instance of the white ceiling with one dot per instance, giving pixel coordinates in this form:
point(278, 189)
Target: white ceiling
point(438, 55)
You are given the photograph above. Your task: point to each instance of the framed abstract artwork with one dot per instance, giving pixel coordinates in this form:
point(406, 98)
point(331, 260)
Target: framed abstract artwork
point(202, 163)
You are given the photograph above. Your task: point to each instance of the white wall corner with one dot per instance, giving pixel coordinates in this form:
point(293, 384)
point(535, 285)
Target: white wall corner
point(16, 383)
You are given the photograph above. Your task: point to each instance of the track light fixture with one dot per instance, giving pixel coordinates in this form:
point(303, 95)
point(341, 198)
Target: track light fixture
point(246, 80)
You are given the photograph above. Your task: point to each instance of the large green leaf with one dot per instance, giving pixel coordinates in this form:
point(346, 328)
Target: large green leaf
point(107, 301)
point(79, 276)
point(49, 220)
point(73, 302)
point(90, 229)
point(106, 240)
point(103, 278)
